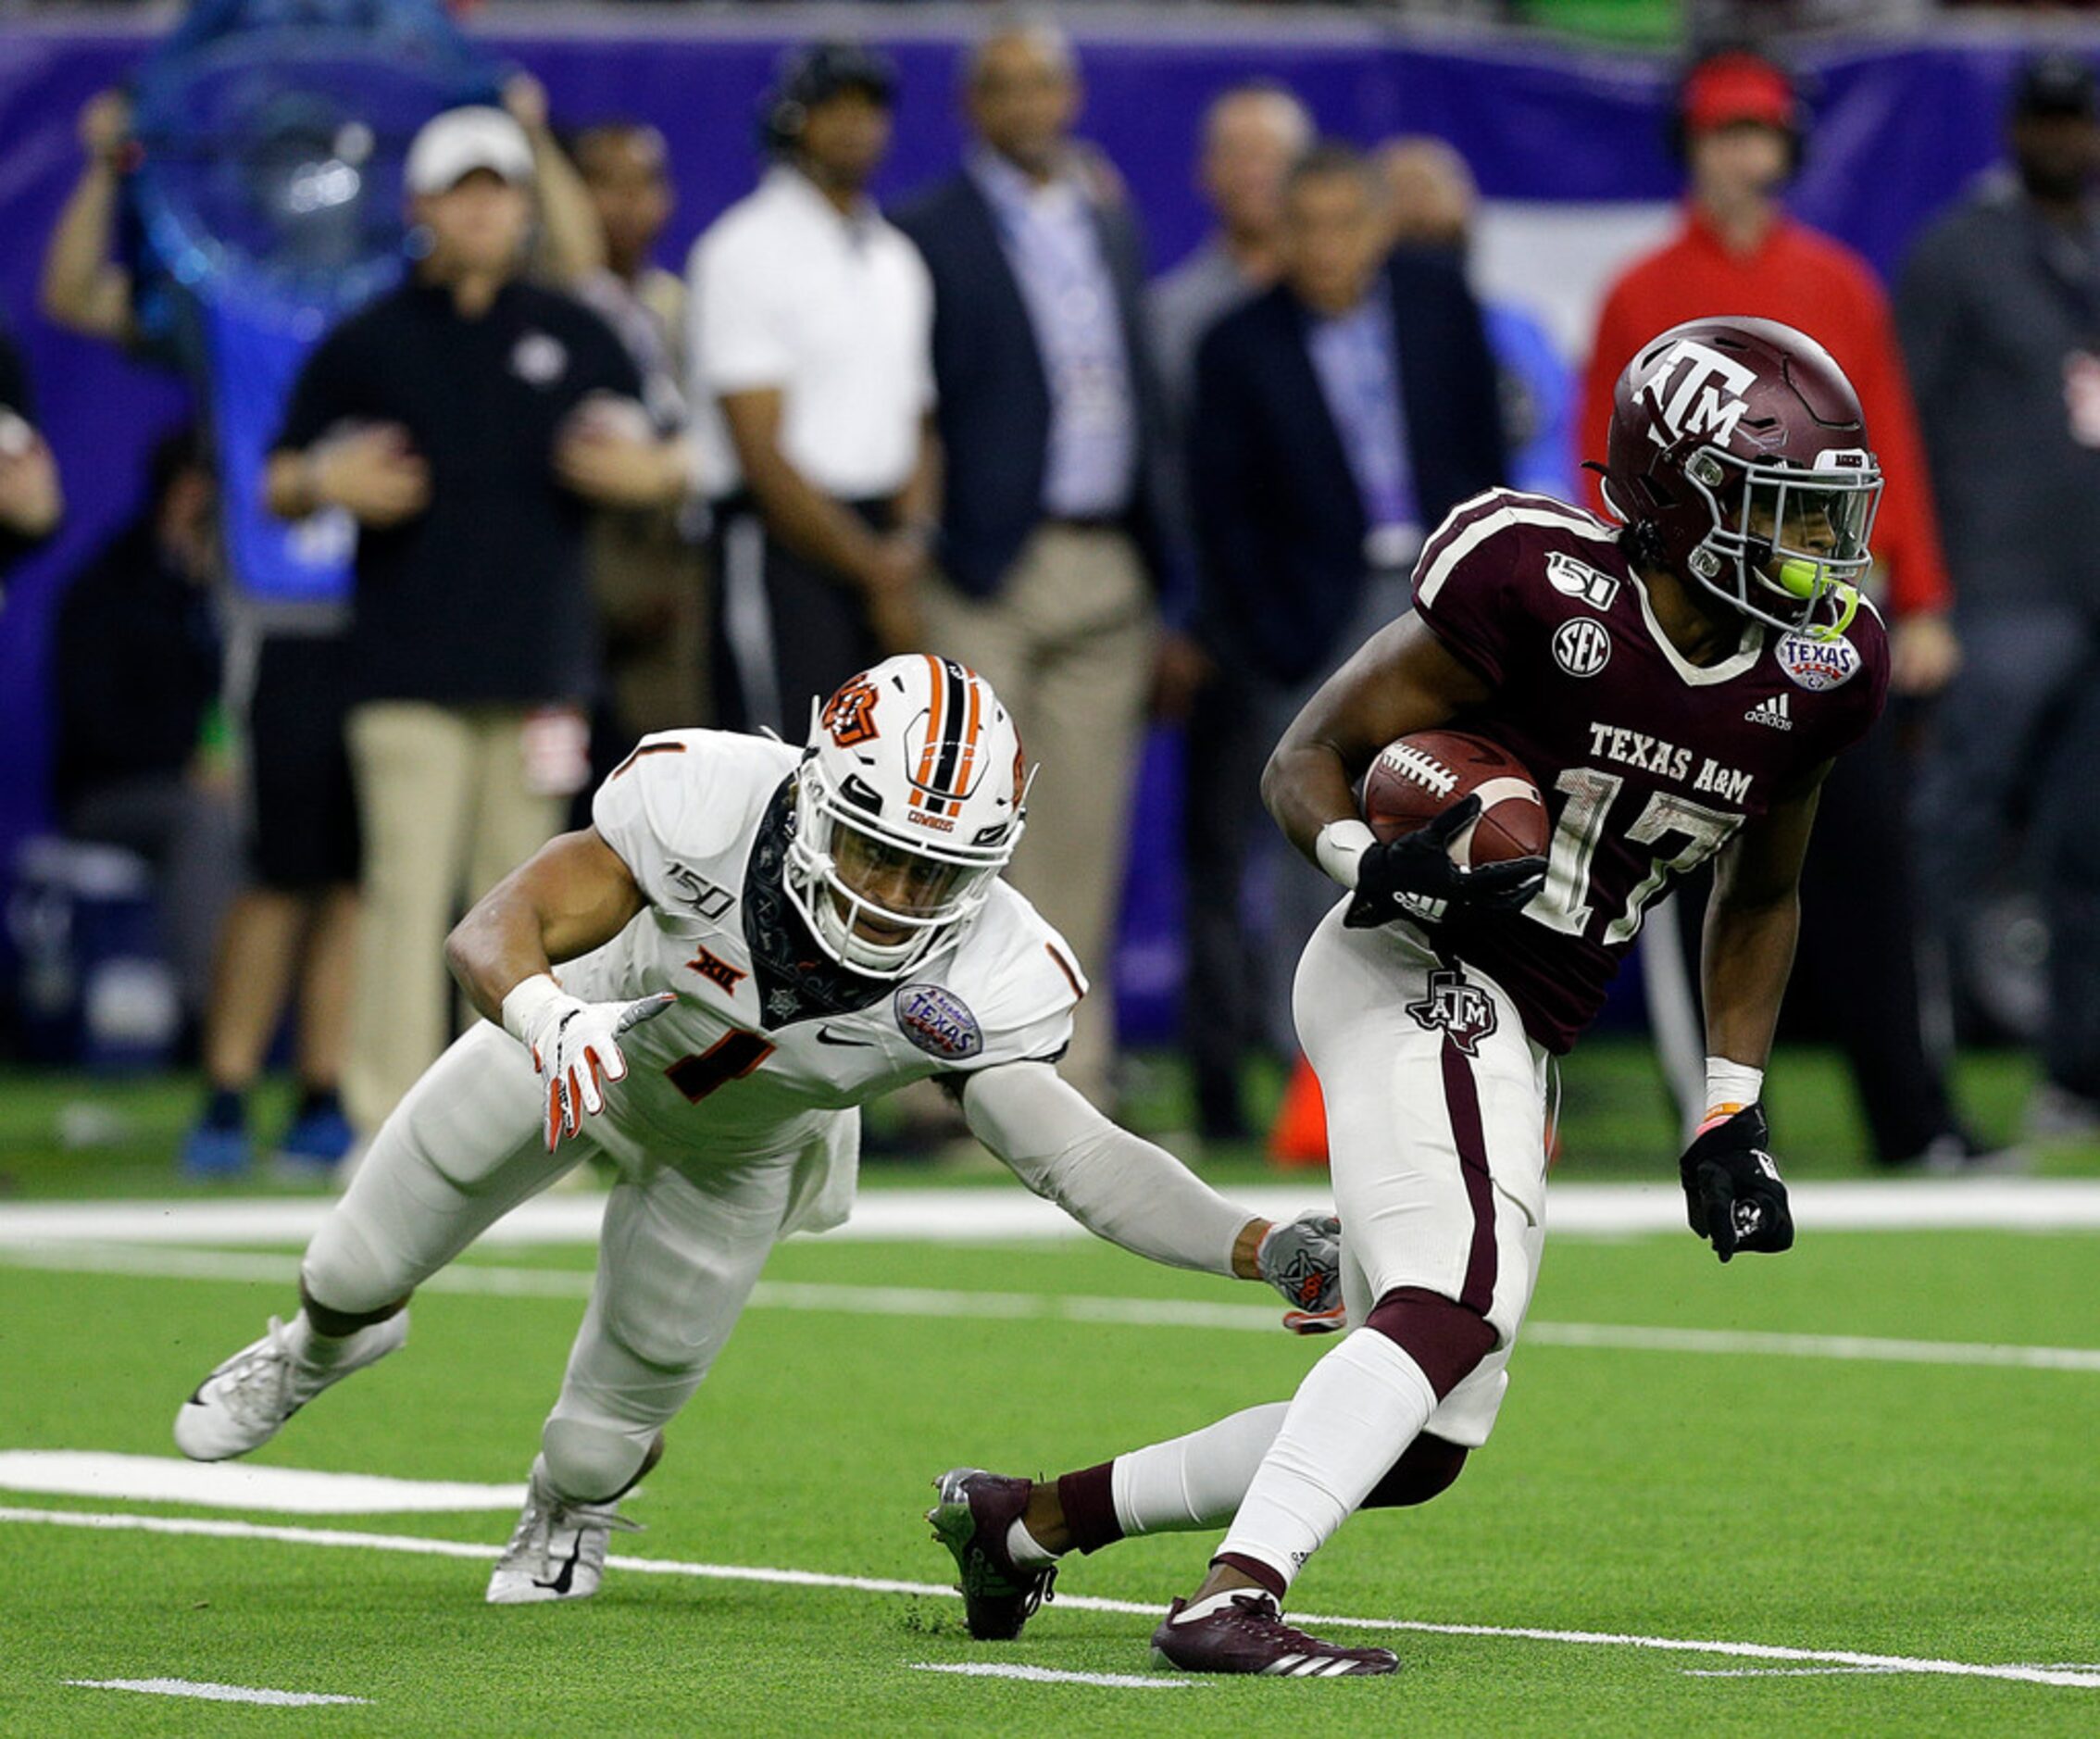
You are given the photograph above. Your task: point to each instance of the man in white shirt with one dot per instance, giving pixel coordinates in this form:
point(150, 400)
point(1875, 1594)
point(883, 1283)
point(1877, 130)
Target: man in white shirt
point(811, 325)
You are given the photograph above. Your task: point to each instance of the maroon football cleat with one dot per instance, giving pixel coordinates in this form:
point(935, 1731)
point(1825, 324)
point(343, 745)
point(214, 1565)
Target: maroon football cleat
point(976, 1512)
point(1242, 1631)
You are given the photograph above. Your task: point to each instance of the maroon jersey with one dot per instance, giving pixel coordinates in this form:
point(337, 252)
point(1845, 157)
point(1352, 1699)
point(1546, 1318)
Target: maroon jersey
point(1648, 763)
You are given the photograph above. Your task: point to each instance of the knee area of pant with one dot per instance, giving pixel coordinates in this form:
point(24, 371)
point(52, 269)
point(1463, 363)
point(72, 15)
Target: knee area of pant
point(1429, 1468)
point(1445, 1338)
point(594, 1463)
point(343, 1270)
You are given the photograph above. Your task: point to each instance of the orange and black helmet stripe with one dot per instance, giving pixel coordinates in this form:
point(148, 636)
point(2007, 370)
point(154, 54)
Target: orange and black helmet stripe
point(954, 723)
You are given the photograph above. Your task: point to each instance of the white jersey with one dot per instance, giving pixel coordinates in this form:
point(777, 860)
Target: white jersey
point(773, 1046)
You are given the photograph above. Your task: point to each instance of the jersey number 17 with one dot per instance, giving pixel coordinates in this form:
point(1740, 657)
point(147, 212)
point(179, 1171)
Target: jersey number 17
point(1563, 903)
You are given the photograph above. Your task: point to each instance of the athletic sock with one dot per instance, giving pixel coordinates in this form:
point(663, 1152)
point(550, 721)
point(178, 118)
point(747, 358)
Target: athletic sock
point(1357, 1409)
point(1172, 1487)
point(1025, 1549)
point(318, 1102)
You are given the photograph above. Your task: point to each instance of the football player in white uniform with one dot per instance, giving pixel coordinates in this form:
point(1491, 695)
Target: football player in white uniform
point(752, 942)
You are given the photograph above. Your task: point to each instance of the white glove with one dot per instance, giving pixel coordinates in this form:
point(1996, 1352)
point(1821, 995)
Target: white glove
point(575, 1045)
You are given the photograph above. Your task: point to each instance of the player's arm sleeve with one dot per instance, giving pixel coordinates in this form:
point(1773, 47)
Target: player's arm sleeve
point(1463, 585)
point(1117, 1186)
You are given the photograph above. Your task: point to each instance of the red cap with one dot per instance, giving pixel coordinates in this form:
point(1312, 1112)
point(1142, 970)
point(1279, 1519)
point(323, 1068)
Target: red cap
point(1737, 87)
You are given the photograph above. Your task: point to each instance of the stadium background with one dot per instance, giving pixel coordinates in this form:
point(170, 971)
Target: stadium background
point(1849, 1492)
point(1568, 141)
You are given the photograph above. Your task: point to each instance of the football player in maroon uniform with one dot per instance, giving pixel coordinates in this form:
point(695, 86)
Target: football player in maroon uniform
point(1677, 684)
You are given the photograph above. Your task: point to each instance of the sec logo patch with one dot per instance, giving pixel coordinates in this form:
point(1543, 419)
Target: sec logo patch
point(1815, 664)
point(933, 1018)
point(1582, 647)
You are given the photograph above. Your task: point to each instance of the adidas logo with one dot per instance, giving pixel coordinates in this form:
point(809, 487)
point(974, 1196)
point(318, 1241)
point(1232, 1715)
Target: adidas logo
point(1772, 712)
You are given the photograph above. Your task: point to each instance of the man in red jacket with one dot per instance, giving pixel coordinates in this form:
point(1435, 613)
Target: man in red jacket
point(1740, 130)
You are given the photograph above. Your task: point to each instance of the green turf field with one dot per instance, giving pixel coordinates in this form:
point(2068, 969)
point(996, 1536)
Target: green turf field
point(1888, 1504)
point(68, 1134)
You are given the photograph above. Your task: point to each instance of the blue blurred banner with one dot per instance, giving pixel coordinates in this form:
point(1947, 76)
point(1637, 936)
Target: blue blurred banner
point(266, 205)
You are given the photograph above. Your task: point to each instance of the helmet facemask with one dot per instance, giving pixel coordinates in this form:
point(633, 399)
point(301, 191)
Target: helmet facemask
point(1787, 542)
point(875, 901)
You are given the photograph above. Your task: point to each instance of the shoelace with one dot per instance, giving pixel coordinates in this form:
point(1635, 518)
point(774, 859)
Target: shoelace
point(1267, 1623)
point(1035, 1592)
point(258, 1385)
point(544, 1518)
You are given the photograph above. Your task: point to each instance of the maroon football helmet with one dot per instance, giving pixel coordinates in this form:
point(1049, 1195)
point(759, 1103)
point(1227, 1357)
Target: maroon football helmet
point(1739, 458)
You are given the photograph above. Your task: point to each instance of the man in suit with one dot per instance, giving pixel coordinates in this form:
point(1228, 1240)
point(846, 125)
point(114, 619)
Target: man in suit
point(1050, 418)
point(1336, 417)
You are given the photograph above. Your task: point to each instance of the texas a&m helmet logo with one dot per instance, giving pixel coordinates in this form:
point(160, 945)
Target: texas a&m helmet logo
point(849, 715)
point(1705, 393)
point(1465, 1011)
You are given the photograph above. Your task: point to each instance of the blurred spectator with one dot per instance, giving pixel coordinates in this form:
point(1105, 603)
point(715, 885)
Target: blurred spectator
point(31, 501)
point(645, 571)
point(568, 246)
point(1337, 417)
point(1999, 308)
point(86, 287)
point(466, 420)
point(1252, 133)
point(141, 756)
point(296, 920)
point(1053, 452)
point(1740, 130)
point(809, 318)
point(1431, 203)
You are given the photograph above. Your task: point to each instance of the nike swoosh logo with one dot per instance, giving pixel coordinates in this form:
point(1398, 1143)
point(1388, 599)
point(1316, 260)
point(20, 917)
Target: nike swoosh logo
point(561, 1583)
point(826, 1036)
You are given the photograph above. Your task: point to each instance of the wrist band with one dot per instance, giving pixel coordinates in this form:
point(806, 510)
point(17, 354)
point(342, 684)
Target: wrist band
point(528, 997)
point(1731, 1087)
point(1340, 845)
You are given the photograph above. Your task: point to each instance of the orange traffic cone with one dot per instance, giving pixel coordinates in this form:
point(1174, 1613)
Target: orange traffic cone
point(1298, 1137)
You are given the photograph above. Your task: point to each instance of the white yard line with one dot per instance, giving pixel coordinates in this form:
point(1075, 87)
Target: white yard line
point(215, 1693)
point(125, 1479)
point(1044, 1676)
point(1152, 1313)
point(213, 1528)
point(993, 1214)
point(1783, 1672)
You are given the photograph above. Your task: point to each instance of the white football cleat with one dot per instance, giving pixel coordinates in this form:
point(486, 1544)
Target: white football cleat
point(558, 1550)
point(246, 1400)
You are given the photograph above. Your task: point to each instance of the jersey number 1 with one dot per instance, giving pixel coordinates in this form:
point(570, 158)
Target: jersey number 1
point(1563, 903)
point(730, 1057)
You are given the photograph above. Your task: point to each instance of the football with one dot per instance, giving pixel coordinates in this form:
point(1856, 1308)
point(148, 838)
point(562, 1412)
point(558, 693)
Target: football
point(1421, 776)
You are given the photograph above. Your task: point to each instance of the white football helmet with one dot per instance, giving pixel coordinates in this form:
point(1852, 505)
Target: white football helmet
point(910, 802)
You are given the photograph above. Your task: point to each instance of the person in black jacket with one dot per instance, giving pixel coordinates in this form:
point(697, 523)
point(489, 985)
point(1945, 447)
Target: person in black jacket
point(136, 682)
point(1335, 418)
point(1054, 550)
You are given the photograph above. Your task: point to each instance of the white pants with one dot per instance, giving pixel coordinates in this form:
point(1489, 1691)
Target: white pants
point(1436, 1120)
point(678, 1255)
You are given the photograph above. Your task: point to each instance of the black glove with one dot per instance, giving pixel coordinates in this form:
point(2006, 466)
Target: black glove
point(1413, 876)
point(1733, 1195)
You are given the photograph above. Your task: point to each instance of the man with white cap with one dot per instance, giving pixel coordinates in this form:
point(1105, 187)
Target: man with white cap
point(467, 421)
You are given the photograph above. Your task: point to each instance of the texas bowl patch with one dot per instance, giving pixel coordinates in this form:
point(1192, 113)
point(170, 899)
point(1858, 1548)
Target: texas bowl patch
point(1818, 664)
point(933, 1018)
